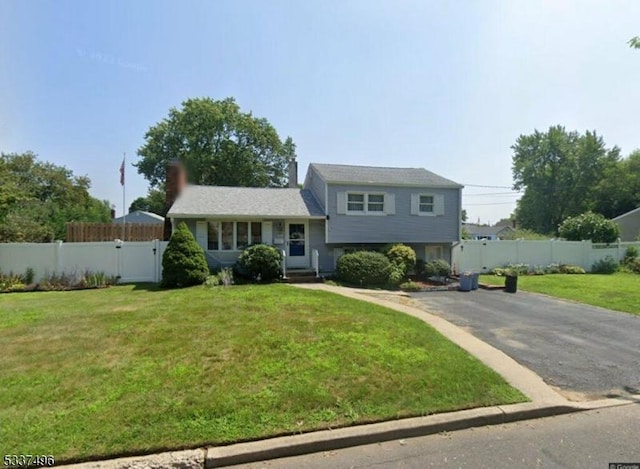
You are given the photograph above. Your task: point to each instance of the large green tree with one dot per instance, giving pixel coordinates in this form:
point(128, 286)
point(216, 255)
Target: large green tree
point(37, 199)
point(619, 190)
point(559, 172)
point(218, 145)
point(153, 202)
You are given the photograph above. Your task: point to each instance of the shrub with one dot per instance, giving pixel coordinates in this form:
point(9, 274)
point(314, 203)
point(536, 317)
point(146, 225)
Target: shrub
point(364, 268)
point(630, 254)
point(29, 276)
point(402, 255)
point(397, 272)
point(410, 286)
point(183, 262)
point(437, 268)
point(633, 265)
point(591, 226)
point(419, 269)
point(518, 269)
point(552, 269)
point(498, 271)
point(571, 269)
point(261, 263)
point(607, 265)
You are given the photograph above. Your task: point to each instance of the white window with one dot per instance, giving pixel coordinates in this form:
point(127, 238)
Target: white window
point(355, 202)
point(365, 203)
point(232, 235)
point(375, 202)
point(432, 253)
point(426, 204)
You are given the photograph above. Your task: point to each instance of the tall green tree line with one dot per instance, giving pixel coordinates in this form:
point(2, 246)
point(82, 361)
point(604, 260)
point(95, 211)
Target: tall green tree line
point(566, 173)
point(37, 199)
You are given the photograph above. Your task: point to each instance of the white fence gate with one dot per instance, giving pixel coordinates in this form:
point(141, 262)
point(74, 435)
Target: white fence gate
point(130, 261)
point(483, 255)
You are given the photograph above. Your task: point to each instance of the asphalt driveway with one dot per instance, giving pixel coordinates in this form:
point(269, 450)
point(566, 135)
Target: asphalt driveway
point(586, 352)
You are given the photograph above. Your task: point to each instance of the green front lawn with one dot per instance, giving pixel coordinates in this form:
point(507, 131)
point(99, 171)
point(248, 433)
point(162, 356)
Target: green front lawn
point(130, 369)
point(620, 291)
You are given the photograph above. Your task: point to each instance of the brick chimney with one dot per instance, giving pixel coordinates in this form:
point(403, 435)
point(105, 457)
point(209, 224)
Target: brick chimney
point(176, 180)
point(113, 212)
point(293, 174)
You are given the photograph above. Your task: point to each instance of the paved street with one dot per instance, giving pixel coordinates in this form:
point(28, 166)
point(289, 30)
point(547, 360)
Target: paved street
point(585, 351)
point(584, 440)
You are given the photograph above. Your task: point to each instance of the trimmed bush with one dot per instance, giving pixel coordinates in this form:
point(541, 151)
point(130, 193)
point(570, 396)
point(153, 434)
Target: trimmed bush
point(571, 269)
point(364, 268)
point(183, 262)
point(260, 263)
point(437, 268)
point(591, 226)
point(608, 265)
point(402, 255)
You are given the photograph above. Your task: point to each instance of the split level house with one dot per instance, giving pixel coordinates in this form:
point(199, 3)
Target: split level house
point(339, 209)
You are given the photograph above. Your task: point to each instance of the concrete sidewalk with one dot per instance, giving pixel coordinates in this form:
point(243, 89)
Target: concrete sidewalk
point(545, 402)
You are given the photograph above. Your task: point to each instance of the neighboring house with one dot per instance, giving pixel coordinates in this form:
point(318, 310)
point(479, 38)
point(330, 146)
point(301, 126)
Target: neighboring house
point(339, 208)
point(629, 224)
point(491, 233)
point(140, 216)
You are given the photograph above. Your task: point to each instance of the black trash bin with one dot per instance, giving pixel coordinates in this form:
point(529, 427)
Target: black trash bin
point(511, 283)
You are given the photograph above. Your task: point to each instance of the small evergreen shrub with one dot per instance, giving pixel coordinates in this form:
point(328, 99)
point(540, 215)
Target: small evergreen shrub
point(183, 262)
point(607, 265)
point(260, 263)
point(402, 255)
point(364, 268)
point(437, 268)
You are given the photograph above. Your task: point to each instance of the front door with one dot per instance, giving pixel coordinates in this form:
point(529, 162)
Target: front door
point(297, 243)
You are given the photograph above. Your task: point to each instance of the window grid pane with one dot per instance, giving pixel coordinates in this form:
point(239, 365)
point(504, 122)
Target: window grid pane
point(356, 198)
point(256, 233)
point(227, 235)
point(212, 235)
point(242, 234)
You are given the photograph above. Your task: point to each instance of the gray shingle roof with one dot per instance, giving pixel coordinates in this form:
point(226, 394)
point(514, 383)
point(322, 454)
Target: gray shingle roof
point(245, 201)
point(378, 175)
point(140, 216)
point(476, 230)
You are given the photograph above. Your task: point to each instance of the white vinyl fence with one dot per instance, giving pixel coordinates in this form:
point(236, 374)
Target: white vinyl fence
point(482, 256)
point(130, 261)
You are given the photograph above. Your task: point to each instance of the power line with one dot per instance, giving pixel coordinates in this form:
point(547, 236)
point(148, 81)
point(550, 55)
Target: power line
point(494, 203)
point(502, 194)
point(489, 187)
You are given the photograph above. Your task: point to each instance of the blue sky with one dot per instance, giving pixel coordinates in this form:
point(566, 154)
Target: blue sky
point(443, 85)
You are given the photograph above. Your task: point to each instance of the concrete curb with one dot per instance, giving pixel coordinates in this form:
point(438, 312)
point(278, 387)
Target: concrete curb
point(326, 440)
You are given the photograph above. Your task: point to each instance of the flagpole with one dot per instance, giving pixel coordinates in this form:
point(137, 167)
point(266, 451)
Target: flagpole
point(124, 213)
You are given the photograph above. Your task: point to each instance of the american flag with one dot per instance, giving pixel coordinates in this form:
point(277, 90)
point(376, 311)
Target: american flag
point(122, 173)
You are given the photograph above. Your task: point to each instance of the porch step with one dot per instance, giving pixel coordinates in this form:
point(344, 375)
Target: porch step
point(301, 276)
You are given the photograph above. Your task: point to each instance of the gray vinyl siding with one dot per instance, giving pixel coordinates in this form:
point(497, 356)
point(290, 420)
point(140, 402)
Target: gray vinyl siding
point(316, 185)
point(629, 226)
point(400, 227)
point(316, 241)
